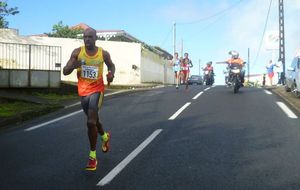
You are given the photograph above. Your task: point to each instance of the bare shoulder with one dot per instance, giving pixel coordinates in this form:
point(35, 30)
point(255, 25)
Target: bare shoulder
point(75, 52)
point(106, 55)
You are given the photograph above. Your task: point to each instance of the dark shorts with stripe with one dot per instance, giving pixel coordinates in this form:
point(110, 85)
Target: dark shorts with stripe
point(92, 102)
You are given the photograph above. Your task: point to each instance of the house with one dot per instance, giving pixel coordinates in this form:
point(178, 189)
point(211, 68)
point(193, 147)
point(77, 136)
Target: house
point(136, 62)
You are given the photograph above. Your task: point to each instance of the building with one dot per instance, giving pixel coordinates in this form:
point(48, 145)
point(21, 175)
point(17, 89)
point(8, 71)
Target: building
point(136, 62)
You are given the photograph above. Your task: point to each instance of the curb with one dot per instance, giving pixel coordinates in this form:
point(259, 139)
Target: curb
point(286, 99)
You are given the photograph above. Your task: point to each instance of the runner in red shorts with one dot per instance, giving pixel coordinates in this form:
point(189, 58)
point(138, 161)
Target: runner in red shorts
point(89, 61)
point(186, 65)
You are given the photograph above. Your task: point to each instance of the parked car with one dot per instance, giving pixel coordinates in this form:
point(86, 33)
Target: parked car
point(292, 77)
point(195, 79)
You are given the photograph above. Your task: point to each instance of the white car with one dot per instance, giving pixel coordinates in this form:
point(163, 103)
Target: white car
point(292, 77)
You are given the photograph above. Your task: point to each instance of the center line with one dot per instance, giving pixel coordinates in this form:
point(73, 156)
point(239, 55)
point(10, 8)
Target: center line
point(207, 89)
point(113, 173)
point(179, 111)
point(197, 96)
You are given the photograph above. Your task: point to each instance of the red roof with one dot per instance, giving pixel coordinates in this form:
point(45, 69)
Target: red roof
point(80, 26)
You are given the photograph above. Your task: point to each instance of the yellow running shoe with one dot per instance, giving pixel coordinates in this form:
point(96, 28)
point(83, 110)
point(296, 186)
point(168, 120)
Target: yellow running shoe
point(105, 142)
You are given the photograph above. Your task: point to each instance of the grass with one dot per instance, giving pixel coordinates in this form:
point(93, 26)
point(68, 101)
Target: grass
point(56, 98)
point(8, 109)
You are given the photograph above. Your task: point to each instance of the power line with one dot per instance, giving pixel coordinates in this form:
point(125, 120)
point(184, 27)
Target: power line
point(265, 27)
point(167, 37)
point(211, 16)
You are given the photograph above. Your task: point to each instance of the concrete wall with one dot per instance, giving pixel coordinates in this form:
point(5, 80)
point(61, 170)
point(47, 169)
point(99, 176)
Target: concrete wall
point(155, 68)
point(25, 78)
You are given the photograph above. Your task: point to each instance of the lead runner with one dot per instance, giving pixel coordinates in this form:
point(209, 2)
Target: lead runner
point(88, 60)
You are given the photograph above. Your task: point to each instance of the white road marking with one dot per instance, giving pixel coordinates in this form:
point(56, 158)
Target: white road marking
point(197, 96)
point(179, 111)
point(113, 173)
point(268, 92)
point(105, 95)
point(287, 110)
point(52, 121)
point(72, 105)
point(68, 115)
point(207, 89)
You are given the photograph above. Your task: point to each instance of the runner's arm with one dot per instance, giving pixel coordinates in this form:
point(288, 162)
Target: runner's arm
point(73, 63)
point(110, 66)
point(191, 64)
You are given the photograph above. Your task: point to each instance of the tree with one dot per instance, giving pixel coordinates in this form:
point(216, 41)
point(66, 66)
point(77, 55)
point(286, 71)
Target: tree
point(5, 11)
point(60, 30)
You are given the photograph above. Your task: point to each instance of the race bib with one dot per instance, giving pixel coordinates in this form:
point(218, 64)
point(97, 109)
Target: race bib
point(89, 72)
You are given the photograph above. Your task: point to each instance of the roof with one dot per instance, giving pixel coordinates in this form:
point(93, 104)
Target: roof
point(119, 35)
point(80, 26)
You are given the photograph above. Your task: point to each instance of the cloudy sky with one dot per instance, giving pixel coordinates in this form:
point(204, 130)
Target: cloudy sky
point(206, 29)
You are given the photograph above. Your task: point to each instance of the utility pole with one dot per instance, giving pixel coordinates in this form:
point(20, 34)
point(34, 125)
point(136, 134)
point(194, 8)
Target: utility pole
point(281, 35)
point(174, 38)
point(181, 49)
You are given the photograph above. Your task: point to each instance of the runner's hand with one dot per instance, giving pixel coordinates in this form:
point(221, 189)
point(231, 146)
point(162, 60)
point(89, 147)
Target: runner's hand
point(109, 77)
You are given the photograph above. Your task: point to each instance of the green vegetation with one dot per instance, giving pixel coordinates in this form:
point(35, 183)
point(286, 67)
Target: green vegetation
point(60, 30)
point(5, 11)
point(8, 109)
point(55, 98)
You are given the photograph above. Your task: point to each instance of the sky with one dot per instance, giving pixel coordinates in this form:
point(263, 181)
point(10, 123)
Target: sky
point(206, 29)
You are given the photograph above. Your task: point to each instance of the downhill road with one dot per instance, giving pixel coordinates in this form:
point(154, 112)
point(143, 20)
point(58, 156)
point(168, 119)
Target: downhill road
point(203, 138)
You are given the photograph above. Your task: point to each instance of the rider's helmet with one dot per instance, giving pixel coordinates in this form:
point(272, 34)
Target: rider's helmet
point(209, 63)
point(234, 54)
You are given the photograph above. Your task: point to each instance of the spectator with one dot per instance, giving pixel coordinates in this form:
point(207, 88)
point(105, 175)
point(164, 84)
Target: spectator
point(270, 69)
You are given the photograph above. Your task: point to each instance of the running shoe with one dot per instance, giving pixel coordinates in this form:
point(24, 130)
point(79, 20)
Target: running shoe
point(92, 164)
point(105, 143)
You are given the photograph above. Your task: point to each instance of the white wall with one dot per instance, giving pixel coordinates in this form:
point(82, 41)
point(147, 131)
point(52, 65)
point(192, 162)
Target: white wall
point(150, 66)
point(155, 68)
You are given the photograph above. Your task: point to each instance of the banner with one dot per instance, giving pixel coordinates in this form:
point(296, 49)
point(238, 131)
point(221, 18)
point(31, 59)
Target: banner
point(271, 40)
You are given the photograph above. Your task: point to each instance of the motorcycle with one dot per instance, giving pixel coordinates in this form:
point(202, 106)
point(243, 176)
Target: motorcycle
point(235, 77)
point(209, 77)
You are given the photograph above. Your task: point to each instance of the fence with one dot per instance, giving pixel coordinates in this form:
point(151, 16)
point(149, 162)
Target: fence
point(26, 65)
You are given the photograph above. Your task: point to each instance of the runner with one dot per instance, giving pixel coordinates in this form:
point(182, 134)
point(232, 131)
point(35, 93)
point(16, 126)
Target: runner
point(186, 65)
point(176, 67)
point(88, 60)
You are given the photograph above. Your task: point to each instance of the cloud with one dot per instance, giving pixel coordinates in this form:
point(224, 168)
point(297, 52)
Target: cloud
point(246, 30)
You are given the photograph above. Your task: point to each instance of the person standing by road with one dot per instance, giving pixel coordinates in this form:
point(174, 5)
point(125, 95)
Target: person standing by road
point(270, 70)
point(279, 70)
point(89, 61)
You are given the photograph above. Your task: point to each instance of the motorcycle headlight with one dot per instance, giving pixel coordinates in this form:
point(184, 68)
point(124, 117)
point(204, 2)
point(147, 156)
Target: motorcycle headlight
point(236, 71)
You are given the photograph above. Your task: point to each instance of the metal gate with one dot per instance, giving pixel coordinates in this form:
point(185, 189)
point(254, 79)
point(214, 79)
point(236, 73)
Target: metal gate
point(29, 66)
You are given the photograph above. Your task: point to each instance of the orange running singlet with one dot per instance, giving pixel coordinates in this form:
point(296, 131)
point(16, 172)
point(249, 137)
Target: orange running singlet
point(90, 79)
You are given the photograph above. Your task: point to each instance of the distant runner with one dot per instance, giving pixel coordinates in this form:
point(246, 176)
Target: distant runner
point(176, 68)
point(88, 60)
point(186, 65)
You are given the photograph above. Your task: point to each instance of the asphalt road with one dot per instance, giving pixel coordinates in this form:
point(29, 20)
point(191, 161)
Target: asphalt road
point(203, 138)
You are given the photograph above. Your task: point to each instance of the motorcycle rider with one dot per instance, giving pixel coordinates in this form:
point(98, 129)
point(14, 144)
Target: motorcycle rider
point(209, 68)
point(236, 60)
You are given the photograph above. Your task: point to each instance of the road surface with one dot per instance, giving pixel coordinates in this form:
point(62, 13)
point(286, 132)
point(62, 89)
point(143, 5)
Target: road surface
point(202, 138)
